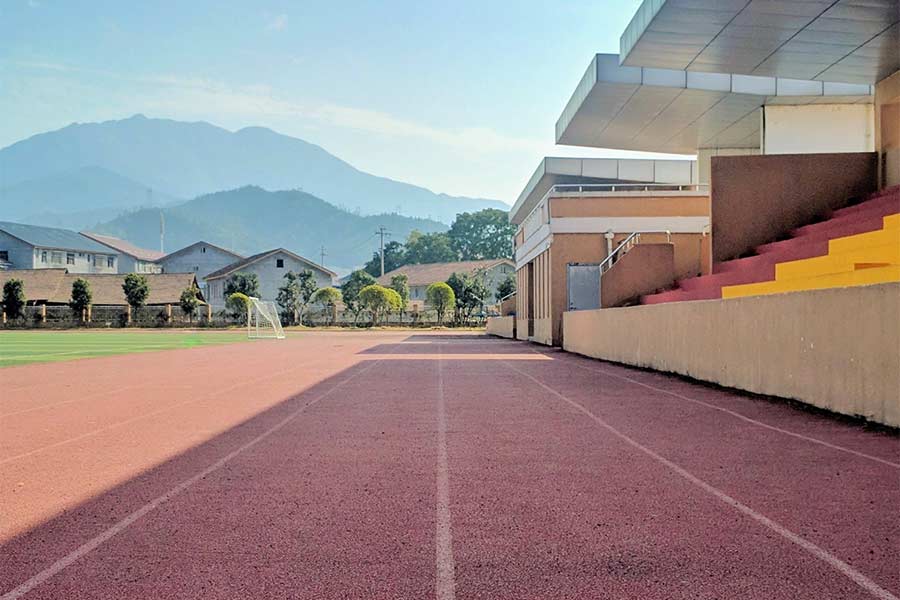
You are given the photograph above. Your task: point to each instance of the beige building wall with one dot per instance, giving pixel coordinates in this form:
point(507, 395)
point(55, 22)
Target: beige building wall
point(887, 129)
point(837, 349)
point(819, 128)
point(546, 300)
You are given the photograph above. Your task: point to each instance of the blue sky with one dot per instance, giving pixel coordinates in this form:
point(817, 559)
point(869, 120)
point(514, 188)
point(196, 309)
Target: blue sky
point(460, 97)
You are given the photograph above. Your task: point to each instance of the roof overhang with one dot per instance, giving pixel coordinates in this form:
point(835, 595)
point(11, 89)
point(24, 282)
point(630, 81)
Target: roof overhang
point(680, 112)
point(595, 171)
point(848, 40)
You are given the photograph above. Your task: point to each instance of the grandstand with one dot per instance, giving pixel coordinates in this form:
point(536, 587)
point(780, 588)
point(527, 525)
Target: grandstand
point(798, 175)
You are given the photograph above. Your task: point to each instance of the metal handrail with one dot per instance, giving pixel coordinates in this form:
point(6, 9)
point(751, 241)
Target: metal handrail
point(627, 244)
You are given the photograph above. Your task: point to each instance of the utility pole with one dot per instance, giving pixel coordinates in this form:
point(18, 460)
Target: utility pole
point(322, 256)
point(382, 232)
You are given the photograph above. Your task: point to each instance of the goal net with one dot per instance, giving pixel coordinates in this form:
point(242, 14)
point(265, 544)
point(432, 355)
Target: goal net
point(263, 320)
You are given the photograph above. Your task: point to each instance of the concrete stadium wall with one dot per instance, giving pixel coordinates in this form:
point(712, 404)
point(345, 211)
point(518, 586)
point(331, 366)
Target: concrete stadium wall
point(836, 349)
point(759, 199)
point(504, 327)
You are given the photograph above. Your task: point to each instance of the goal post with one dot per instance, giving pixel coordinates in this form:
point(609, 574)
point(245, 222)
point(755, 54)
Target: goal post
point(263, 320)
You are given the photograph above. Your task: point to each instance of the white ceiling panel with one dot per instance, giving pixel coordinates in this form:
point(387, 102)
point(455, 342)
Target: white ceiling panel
point(680, 112)
point(854, 41)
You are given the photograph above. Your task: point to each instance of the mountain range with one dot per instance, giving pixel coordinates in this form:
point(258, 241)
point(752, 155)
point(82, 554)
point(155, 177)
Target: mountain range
point(251, 219)
point(109, 166)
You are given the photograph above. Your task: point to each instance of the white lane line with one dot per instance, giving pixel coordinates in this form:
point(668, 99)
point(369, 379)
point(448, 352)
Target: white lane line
point(117, 528)
point(445, 584)
point(820, 553)
point(118, 424)
point(736, 415)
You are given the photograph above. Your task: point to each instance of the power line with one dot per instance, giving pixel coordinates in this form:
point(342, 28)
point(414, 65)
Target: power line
point(382, 232)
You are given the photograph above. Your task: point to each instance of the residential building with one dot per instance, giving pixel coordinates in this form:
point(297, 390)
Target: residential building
point(33, 247)
point(200, 258)
point(132, 259)
point(269, 268)
point(421, 276)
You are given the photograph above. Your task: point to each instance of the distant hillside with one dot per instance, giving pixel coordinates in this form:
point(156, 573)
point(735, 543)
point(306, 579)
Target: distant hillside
point(75, 199)
point(251, 220)
point(189, 159)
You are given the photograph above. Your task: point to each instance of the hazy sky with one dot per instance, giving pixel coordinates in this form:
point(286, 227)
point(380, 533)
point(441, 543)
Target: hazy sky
point(460, 97)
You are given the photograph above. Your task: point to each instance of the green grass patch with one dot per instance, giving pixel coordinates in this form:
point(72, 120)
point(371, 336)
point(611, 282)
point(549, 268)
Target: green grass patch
point(24, 347)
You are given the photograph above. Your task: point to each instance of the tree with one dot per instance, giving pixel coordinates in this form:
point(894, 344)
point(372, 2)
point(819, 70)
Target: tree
point(189, 302)
point(81, 296)
point(136, 290)
point(394, 300)
point(482, 235)
point(14, 298)
point(376, 300)
point(328, 297)
point(400, 284)
point(422, 248)
point(242, 283)
point(440, 297)
point(308, 286)
point(469, 291)
point(288, 297)
point(394, 258)
point(238, 305)
point(506, 287)
point(351, 288)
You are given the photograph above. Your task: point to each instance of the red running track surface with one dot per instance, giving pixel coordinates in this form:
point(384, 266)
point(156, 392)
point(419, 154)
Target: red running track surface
point(397, 465)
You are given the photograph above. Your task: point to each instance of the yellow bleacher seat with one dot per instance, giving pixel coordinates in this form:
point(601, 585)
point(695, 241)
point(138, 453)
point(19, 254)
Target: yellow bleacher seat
point(863, 259)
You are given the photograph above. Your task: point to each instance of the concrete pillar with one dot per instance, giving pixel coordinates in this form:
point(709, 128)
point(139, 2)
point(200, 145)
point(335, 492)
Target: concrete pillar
point(128, 314)
point(89, 311)
point(43, 313)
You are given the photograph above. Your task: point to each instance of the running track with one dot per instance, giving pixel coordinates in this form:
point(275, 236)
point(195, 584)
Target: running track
point(389, 465)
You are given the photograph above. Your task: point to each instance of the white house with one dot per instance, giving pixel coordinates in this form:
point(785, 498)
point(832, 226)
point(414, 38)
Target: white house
point(33, 247)
point(132, 259)
point(200, 258)
point(269, 267)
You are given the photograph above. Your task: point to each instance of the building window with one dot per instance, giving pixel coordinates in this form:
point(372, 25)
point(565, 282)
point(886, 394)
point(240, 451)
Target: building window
point(196, 268)
point(203, 250)
point(4, 255)
point(70, 258)
point(279, 263)
point(110, 261)
point(56, 258)
point(43, 256)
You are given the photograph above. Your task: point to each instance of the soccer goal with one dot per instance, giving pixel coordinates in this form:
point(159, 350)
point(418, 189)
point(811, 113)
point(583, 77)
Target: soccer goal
point(263, 320)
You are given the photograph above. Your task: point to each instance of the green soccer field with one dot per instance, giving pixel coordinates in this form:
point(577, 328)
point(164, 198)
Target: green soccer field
point(23, 347)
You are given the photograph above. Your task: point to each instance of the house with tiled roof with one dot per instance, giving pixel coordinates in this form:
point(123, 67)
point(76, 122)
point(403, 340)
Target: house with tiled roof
point(132, 259)
point(269, 268)
point(54, 286)
point(33, 247)
point(421, 276)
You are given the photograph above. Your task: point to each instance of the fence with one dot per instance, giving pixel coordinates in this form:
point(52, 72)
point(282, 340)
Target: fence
point(171, 315)
point(62, 317)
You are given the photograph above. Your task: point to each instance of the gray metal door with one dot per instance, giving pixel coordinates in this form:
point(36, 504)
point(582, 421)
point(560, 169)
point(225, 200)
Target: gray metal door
point(583, 286)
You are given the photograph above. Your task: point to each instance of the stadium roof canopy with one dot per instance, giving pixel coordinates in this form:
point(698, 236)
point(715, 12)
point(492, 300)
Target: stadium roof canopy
point(854, 41)
point(553, 171)
point(679, 112)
